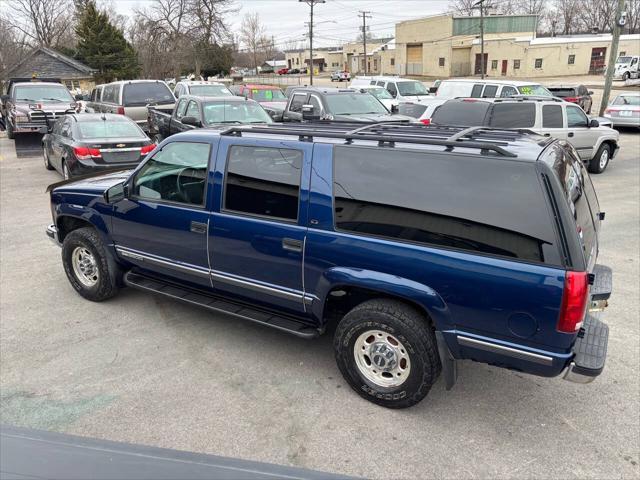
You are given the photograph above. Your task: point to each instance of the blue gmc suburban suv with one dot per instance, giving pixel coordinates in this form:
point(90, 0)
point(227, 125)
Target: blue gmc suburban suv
point(423, 245)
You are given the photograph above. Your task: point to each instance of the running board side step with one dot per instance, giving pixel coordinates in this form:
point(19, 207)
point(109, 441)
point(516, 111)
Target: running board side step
point(210, 302)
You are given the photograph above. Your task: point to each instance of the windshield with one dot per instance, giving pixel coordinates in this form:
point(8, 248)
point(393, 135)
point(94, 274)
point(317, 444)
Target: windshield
point(236, 112)
point(627, 100)
point(534, 90)
point(41, 93)
point(109, 129)
point(139, 94)
point(354, 104)
point(412, 88)
point(210, 90)
point(380, 93)
point(623, 60)
point(267, 95)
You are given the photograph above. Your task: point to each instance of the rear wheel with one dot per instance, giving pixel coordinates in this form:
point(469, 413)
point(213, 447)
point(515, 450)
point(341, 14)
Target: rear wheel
point(88, 267)
point(386, 351)
point(66, 174)
point(10, 134)
point(600, 161)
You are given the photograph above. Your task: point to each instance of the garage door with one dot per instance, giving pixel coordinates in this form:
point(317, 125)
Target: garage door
point(414, 59)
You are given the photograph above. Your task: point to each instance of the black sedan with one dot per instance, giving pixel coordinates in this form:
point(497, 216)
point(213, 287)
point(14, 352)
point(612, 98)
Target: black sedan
point(87, 142)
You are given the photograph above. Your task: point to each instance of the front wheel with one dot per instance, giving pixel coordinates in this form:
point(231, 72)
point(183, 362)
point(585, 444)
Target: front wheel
point(10, 134)
point(88, 267)
point(387, 352)
point(600, 161)
point(47, 162)
point(625, 76)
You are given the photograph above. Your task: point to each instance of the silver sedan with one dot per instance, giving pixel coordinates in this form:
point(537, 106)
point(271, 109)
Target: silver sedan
point(624, 110)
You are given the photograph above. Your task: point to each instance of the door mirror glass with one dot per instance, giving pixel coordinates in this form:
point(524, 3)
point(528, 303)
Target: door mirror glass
point(308, 113)
point(594, 123)
point(191, 121)
point(116, 193)
point(394, 108)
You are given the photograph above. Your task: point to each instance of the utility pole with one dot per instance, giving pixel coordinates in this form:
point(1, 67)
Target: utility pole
point(311, 4)
point(364, 16)
point(480, 3)
point(620, 21)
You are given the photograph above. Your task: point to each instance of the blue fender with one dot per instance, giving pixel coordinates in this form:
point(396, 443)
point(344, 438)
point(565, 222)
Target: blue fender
point(403, 288)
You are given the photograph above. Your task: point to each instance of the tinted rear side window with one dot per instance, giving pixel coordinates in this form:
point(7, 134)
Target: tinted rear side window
point(139, 94)
point(552, 116)
point(461, 113)
point(498, 207)
point(513, 115)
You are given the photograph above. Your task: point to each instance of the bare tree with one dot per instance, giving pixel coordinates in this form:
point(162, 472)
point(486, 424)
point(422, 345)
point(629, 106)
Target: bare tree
point(566, 14)
point(633, 16)
point(42, 21)
point(252, 35)
point(463, 7)
point(13, 47)
point(596, 15)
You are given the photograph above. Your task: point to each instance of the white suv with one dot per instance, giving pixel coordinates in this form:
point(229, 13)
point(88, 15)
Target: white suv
point(402, 89)
point(201, 88)
point(596, 144)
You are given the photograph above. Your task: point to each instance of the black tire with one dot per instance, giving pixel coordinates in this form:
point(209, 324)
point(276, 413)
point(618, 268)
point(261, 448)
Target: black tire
point(595, 165)
point(47, 163)
point(625, 76)
point(405, 325)
point(10, 134)
point(109, 275)
point(158, 138)
point(66, 173)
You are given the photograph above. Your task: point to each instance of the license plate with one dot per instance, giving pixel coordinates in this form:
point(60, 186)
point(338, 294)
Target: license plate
point(626, 113)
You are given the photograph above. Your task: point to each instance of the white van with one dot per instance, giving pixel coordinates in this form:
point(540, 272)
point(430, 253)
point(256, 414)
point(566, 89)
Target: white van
point(489, 88)
point(402, 89)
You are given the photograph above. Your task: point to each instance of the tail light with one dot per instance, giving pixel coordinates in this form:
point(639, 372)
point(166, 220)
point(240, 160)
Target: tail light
point(120, 111)
point(426, 121)
point(574, 302)
point(609, 110)
point(571, 99)
point(146, 149)
point(84, 153)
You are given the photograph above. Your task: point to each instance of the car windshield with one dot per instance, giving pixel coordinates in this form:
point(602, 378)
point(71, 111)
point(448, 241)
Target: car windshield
point(109, 129)
point(627, 100)
point(563, 92)
point(267, 95)
point(236, 112)
point(623, 60)
point(380, 93)
point(210, 90)
point(534, 90)
point(143, 93)
point(414, 87)
point(354, 104)
point(41, 93)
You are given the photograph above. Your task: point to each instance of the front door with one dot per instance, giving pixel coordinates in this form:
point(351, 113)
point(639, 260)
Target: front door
point(478, 68)
point(258, 232)
point(596, 65)
point(162, 226)
point(505, 65)
point(578, 132)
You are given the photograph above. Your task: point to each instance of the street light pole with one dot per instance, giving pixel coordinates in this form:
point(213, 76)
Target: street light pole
point(311, 3)
point(364, 16)
point(480, 4)
point(621, 19)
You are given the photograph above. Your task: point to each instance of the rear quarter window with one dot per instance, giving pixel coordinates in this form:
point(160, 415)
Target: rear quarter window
point(498, 207)
point(513, 115)
point(461, 113)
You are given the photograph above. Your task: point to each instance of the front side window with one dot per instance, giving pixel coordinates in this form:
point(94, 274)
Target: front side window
point(552, 116)
point(317, 106)
point(513, 115)
point(576, 117)
point(412, 88)
point(402, 199)
point(181, 108)
point(193, 110)
point(263, 181)
point(297, 102)
point(177, 173)
point(391, 88)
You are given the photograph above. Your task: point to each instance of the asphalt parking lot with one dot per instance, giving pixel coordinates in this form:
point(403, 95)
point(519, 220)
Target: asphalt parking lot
point(144, 369)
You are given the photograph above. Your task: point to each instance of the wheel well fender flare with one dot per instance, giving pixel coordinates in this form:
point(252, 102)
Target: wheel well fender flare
point(416, 293)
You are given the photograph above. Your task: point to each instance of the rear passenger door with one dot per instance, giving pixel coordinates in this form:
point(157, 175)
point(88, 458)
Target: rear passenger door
point(553, 122)
point(257, 240)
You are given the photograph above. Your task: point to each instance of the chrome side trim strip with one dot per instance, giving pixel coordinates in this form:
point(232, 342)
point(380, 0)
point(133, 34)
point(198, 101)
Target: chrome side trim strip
point(163, 263)
point(220, 277)
point(501, 349)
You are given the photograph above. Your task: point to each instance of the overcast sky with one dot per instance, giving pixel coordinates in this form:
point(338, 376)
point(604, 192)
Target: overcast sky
point(336, 21)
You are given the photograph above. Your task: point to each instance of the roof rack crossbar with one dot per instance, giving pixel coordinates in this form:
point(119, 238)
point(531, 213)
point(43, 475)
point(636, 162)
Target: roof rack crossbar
point(462, 133)
point(483, 146)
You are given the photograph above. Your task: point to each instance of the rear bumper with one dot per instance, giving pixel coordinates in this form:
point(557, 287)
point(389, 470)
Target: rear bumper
point(81, 167)
point(624, 121)
point(590, 352)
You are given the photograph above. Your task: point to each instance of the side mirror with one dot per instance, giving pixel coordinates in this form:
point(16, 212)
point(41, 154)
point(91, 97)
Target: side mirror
point(590, 92)
point(433, 89)
point(394, 109)
point(594, 123)
point(79, 97)
point(191, 121)
point(307, 113)
point(116, 193)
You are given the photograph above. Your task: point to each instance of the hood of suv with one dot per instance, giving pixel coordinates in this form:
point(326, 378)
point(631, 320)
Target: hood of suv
point(93, 183)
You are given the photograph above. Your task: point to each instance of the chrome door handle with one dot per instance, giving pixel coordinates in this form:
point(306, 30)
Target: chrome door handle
point(571, 134)
point(197, 227)
point(292, 245)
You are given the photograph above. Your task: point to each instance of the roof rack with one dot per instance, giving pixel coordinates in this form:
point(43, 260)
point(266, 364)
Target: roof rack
point(390, 133)
point(537, 98)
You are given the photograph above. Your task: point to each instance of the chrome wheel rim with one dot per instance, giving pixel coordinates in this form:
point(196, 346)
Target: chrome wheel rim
point(381, 358)
point(604, 159)
point(65, 171)
point(85, 266)
point(46, 158)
